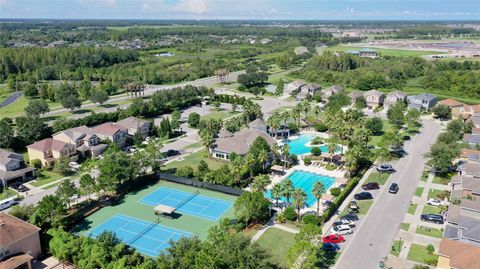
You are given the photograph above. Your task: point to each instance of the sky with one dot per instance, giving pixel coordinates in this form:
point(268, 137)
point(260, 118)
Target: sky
point(244, 9)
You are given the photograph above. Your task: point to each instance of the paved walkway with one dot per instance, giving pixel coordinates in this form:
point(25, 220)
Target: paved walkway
point(271, 223)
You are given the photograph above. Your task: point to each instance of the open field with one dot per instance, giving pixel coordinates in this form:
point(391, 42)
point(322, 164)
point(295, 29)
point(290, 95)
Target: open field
point(386, 52)
point(193, 160)
point(278, 242)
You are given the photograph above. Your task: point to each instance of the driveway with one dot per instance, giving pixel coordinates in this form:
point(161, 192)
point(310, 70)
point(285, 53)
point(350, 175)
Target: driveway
point(374, 236)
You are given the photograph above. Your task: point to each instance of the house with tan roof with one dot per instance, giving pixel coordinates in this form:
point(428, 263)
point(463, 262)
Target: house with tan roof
point(393, 98)
point(374, 98)
point(85, 140)
point(330, 91)
point(13, 168)
point(19, 242)
point(459, 109)
point(48, 150)
point(112, 132)
point(356, 95)
point(135, 126)
point(458, 255)
point(294, 86)
point(308, 90)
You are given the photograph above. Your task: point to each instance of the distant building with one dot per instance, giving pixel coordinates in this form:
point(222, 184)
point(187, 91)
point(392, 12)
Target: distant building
point(112, 132)
point(374, 98)
point(394, 97)
point(309, 89)
point(294, 86)
point(13, 168)
point(265, 41)
point(19, 243)
point(48, 150)
point(355, 95)
point(368, 52)
point(335, 89)
point(424, 101)
point(135, 126)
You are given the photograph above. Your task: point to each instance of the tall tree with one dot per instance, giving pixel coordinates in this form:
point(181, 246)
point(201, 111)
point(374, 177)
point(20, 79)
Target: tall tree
point(50, 212)
point(277, 192)
point(251, 207)
point(87, 185)
point(6, 134)
point(317, 191)
point(287, 188)
point(36, 108)
point(66, 190)
point(299, 196)
point(260, 183)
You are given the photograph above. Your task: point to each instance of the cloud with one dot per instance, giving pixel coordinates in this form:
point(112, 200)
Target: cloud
point(147, 8)
point(108, 2)
point(191, 6)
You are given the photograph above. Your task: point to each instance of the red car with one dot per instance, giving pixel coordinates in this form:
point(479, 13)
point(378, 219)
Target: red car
point(333, 238)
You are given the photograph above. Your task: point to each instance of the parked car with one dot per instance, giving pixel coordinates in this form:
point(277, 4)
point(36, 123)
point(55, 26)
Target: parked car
point(333, 238)
point(350, 223)
point(330, 247)
point(74, 165)
point(363, 196)
point(432, 218)
point(341, 230)
point(370, 186)
point(131, 149)
point(393, 188)
point(385, 168)
point(20, 187)
point(353, 207)
point(4, 204)
point(435, 202)
point(350, 216)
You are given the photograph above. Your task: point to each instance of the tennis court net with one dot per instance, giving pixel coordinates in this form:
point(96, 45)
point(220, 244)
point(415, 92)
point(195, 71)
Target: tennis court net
point(189, 198)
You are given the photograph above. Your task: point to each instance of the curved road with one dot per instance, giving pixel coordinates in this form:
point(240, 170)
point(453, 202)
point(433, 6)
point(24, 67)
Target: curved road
point(373, 238)
point(12, 98)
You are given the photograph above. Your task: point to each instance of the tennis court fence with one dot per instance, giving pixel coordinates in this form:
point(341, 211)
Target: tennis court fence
point(200, 184)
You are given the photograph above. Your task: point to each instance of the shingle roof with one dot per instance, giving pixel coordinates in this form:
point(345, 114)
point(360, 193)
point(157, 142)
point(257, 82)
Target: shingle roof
point(367, 50)
point(466, 152)
point(107, 128)
point(471, 138)
point(76, 133)
point(397, 94)
point(374, 93)
point(258, 123)
point(424, 96)
point(7, 155)
point(48, 144)
point(451, 103)
point(131, 122)
point(472, 168)
point(13, 229)
point(241, 141)
point(461, 255)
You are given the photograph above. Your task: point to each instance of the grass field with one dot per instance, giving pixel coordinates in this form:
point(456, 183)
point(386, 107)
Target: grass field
point(278, 242)
point(412, 208)
point(419, 191)
point(131, 206)
point(419, 253)
point(193, 160)
point(396, 247)
point(387, 127)
point(427, 209)
point(219, 115)
point(388, 52)
point(45, 177)
point(405, 226)
point(441, 180)
point(380, 178)
point(7, 193)
point(432, 232)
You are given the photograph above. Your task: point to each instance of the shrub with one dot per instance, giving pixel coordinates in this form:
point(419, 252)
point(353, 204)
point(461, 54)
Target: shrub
point(316, 151)
point(290, 213)
point(36, 163)
point(430, 249)
point(321, 127)
point(431, 260)
point(281, 218)
point(317, 141)
point(193, 119)
point(335, 191)
point(311, 219)
point(307, 160)
point(293, 127)
point(186, 171)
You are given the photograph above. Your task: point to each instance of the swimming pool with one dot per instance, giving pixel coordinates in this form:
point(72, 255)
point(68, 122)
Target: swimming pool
point(299, 146)
point(306, 181)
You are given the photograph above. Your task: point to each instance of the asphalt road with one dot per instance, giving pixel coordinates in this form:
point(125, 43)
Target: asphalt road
point(373, 238)
point(12, 98)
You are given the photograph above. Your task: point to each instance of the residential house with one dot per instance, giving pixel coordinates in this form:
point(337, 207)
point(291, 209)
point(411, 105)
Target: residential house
point(475, 118)
point(374, 98)
point(261, 125)
point(424, 101)
point(353, 52)
point(458, 108)
point(48, 150)
point(112, 132)
point(294, 87)
point(472, 169)
point(84, 139)
point(19, 242)
point(394, 97)
point(472, 139)
point(335, 89)
point(356, 95)
point(135, 126)
point(467, 152)
point(368, 53)
point(309, 89)
point(13, 168)
point(227, 143)
point(458, 255)
point(265, 41)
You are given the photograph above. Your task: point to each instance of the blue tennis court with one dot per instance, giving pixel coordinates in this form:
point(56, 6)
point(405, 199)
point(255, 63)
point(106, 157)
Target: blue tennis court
point(188, 203)
point(147, 237)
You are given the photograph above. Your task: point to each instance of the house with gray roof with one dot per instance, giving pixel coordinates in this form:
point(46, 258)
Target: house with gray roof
point(424, 101)
point(471, 169)
point(356, 95)
point(368, 52)
point(335, 89)
point(374, 98)
point(85, 140)
point(472, 139)
point(227, 143)
point(294, 86)
point(394, 97)
point(13, 168)
point(135, 126)
point(308, 90)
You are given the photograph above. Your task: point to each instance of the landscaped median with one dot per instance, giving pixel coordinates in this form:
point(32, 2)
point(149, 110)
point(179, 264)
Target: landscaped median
point(380, 178)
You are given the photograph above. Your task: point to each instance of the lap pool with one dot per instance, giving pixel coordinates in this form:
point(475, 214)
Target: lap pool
point(306, 181)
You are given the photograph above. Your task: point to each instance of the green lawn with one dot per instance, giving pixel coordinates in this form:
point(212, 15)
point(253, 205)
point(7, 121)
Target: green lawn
point(388, 52)
point(396, 247)
point(364, 206)
point(194, 146)
point(45, 177)
point(429, 231)
point(194, 159)
point(412, 208)
point(427, 209)
point(387, 126)
point(380, 178)
point(7, 193)
point(433, 193)
point(419, 191)
point(219, 115)
point(419, 253)
point(16, 108)
point(278, 242)
point(425, 176)
point(441, 180)
point(405, 226)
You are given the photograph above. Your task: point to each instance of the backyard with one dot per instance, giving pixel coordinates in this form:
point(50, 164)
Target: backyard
point(193, 160)
point(278, 242)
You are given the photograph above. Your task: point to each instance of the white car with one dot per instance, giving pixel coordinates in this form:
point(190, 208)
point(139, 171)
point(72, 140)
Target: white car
point(435, 202)
point(341, 230)
point(74, 165)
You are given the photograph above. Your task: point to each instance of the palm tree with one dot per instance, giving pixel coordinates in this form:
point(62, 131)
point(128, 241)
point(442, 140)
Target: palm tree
point(287, 188)
point(277, 192)
point(285, 154)
point(207, 139)
point(305, 107)
point(262, 157)
point(296, 112)
point(260, 183)
point(317, 191)
point(285, 117)
point(237, 167)
point(362, 135)
point(299, 197)
point(250, 160)
point(317, 110)
point(274, 122)
point(331, 148)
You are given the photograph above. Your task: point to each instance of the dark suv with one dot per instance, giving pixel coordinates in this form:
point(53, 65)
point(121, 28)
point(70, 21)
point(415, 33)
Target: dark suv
point(363, 196)
point(393, 188)
point(432, 218)
point(371, 186)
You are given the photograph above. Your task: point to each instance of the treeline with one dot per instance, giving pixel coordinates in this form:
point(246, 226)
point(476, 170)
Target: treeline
point(49, 63)
point(434, 30)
